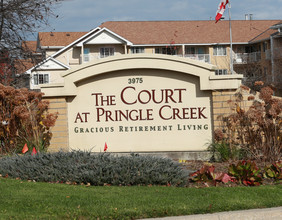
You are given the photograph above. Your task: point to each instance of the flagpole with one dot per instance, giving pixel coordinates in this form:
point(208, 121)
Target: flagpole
point(231, 44)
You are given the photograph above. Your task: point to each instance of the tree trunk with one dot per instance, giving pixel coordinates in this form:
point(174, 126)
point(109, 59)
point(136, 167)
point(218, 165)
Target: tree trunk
point(2, 18)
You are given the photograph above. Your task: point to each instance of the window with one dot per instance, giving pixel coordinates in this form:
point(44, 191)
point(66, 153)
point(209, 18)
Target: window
point(137, 50)
point(41, 79)
point(219, 51)
point(221, 72)
point(264, 46)
point(190, 50)
point(166, 50)
point(201, 50)
point(194, 50)
point(86, 52)
point(107, 51)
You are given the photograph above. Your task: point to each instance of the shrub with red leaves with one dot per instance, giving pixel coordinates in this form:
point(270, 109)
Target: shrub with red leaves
point(257, 130)
point(24, 118)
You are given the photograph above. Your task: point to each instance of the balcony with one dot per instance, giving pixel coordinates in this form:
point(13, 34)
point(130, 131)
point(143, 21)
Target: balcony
point(201, 57)
point(243, 58)
point(277, 53)
point(240, 58)
point(89, 57)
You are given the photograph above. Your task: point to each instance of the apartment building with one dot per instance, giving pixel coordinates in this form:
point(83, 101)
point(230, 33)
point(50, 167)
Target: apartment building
point(262, 58)
point(256, 46)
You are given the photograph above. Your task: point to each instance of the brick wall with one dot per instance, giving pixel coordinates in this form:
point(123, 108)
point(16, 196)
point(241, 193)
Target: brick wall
point(223, 104)
point(60, 136)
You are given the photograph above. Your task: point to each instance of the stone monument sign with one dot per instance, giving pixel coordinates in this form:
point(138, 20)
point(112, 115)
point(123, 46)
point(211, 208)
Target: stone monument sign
point(140, 103)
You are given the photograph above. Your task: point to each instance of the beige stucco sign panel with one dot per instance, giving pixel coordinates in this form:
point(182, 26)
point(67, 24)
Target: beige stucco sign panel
point(140, 103)
point(140, 110)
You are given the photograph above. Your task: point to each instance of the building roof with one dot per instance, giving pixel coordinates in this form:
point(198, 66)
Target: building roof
point(23, 65)
point(276, 26)
point(188, 32)
point(29, 46)
point(58, 39)
point(267, 33)
point(263, 36)
point(170, 32)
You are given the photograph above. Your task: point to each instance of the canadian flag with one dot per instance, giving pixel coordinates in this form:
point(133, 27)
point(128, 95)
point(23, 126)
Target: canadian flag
point(221, 9)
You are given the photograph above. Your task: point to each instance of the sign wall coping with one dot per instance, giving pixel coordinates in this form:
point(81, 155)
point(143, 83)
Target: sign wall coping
point(205, 72)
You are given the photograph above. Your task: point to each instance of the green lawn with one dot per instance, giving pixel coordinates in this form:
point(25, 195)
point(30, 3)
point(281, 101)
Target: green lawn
point(32, 200)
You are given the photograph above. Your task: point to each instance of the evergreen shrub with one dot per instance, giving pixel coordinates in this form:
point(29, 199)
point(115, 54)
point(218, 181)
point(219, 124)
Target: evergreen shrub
point(96, 169)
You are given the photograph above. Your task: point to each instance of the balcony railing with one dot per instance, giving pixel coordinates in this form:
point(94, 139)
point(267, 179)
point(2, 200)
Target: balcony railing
point(277, 53)
point(242, 58)
point(255, 57)
point(201, 57)
point(88, 57)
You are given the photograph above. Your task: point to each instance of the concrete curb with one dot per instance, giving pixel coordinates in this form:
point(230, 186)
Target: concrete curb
point(251, 214)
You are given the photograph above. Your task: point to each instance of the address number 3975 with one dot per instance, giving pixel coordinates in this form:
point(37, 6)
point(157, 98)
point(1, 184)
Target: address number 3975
point(135, 80)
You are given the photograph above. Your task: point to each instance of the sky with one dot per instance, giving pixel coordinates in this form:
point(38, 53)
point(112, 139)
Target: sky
point(84, 15)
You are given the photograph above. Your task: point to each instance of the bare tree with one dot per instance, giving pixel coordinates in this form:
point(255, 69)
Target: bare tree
point(18, 20)
point(278, 75)
point(252, 72)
